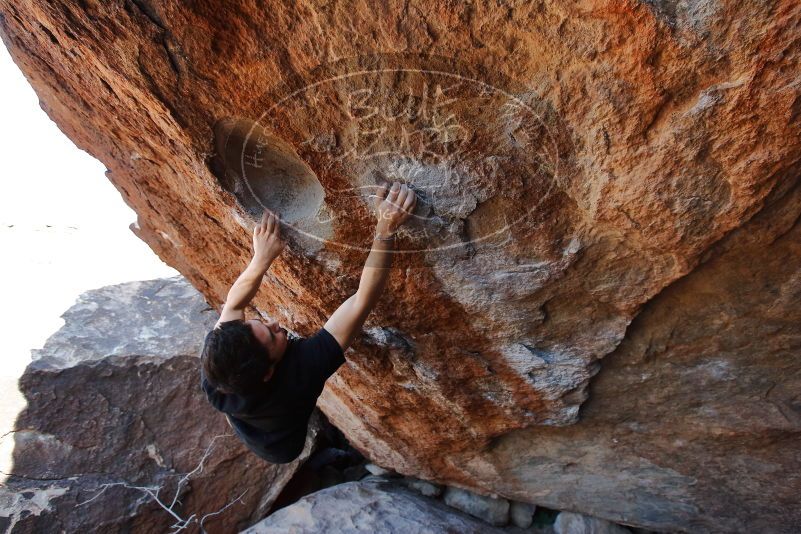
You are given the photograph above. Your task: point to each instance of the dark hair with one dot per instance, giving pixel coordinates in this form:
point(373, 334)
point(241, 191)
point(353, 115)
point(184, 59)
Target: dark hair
point(233, 360)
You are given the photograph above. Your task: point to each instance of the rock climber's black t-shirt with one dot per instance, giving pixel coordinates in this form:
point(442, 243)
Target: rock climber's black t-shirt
point(273, 423)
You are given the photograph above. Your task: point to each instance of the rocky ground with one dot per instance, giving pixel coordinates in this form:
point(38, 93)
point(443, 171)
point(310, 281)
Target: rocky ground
point(386, 502)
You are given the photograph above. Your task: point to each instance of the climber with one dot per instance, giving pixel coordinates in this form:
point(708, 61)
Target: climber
point(266, 382)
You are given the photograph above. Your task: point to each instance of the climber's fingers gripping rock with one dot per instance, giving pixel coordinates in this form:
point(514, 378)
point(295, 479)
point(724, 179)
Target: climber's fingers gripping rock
point(395, 206)
point(267, 242)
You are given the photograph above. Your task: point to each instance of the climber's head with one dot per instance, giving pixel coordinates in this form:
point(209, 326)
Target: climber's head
point(271, 336)
point(239, 356)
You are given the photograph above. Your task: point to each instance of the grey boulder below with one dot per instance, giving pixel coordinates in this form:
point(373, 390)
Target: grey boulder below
point(371, 505)
point(570, 523)
point(115, 410)
point(522, 514)
point(493, 511)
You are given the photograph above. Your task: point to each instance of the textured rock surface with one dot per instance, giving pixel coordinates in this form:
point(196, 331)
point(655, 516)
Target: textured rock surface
point(371, 505)
point(488, 509)
point(521, 514)
point(570, 523)
point(423, 487)
point(582, 163)
point(113, 399)
point(694, 421)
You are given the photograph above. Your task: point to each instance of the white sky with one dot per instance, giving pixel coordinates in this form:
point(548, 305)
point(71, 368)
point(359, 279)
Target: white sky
point(63, 230)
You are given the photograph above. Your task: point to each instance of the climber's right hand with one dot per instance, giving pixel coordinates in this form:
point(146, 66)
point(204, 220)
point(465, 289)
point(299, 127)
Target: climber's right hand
point(267, 242)
point(393, 206)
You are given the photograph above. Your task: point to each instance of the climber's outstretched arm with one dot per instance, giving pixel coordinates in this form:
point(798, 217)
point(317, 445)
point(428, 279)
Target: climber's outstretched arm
point(267, 245)
point(392, 209)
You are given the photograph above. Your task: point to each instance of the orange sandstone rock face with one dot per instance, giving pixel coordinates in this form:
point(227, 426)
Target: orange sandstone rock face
point(576, 163)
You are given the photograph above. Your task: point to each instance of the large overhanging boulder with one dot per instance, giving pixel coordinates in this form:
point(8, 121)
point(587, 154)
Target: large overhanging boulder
point(117, 434)
point(575, 161)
